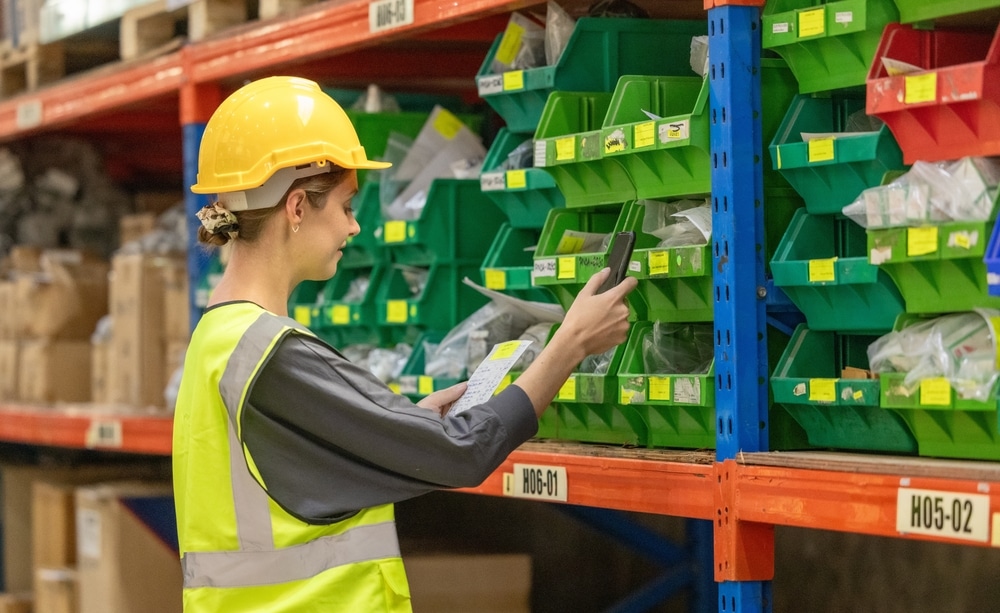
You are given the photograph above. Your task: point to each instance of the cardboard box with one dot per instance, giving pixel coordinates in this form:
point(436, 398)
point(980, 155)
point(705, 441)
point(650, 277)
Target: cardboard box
point(64, 301)
point(25, 259)
point(176, 305)
point(124, 565)
point(133, 227)
point(8, 310)
point(10, 355)
point(53, 522)
point(449, 583)
point(57, 590)
point(157, 202)
point(54, 371)
point(100, 387)
point(16, 603)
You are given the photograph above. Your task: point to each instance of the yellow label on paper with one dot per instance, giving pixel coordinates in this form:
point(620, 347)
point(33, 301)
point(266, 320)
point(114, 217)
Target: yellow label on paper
point(505, 350)
point(920, 88)
point(397, 311)
point(921, 241)
point(447, 124)
point(425, 385)
point(568, 390)
point(569, 244)
point(645, 135)
point(659, 388)
point(935, 392)
point(821, 150)
point(341, 314)
point(823, 271)
point(510, 44)
point(504, 384)
point(395, 231)
point(496, 279)
point(812, 23)
point(565, 148)
point(394, 388)
point(566, 268)
point(659, 262)
point(626, 395)
point(517, 179)
point(513, 80)
point(822, 390)
point(303, 315)
point(859, 395)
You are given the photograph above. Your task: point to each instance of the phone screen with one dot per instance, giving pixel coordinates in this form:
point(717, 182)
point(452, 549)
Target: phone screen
point(621, 253)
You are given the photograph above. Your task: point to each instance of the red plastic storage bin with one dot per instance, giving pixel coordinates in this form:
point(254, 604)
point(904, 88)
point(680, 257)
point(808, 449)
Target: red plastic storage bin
point(949, 110)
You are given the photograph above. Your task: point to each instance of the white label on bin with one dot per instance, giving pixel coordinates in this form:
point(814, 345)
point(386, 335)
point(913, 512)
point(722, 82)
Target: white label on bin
point(879, 255)
point(540, 153)
point(492, 181)
point(543, 268)
point(388, 14)
point(88, 533)
point(687, 390)
point(779, 28)
point(104, 433)
point(950, 515)
point(844, 16)
point(491, 84)
point(539, 482)
point(635, 266)
point(676, 130)
point(29, 114)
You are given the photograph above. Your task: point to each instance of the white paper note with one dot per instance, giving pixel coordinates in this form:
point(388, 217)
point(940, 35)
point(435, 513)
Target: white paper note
point(490, 373)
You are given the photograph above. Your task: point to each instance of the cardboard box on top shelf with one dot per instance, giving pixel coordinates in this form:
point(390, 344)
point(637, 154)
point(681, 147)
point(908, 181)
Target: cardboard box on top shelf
point(16, 603)
point(65, 300)
point(456, 583)
point(126, 564)
point(57, 590)
point(176, 304)
point(17, 497)
point(10, 355)
point(135, 226)
point(54, 371)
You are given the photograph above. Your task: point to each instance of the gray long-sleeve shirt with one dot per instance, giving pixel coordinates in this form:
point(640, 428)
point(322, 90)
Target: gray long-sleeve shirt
point(330, 439)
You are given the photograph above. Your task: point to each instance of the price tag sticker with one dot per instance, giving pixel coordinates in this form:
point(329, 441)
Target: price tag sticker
point(823, 271)
point(822, 390)
point(517, 179)
point(425, 385)
point(341, 314)
point(303, 315)
point(812, 22)
point(952, 515)
point(566, 149)
point(539, 482)
point(659, 388)
point(496, 279)
point(645, 135)
point(395, 231)
point(104, 433)
point(921, 241)
point(489, 85)
point(567, 268)
point(935, 392)
point(387, 14)
point(920, 88)
point(568, 390)
point(659, 262)
point(397, 311)
point(821, 150)
point(492, 182)
point(513, 80)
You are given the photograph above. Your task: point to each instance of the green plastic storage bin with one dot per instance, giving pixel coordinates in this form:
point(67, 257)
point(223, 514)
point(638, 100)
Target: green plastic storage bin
point(675, 284)
point(678, 409)
point(836, 412)
point(828, 45)
point(596, 54)
point(457, 224)
point(525, 196)
point(944, 424)
point(829, 175)
point(822, 266)
point(509, 264)
point(778, 88)
point(443, 302)
point(938, 269)
point(335, 312)
point(664, 157)
point(926, 10)
point(413, 382)
point(305, 302)
point(363, 250)
point(780, 205)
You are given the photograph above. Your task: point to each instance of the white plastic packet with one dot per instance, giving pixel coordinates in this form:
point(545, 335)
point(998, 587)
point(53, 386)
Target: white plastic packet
point(558, 28)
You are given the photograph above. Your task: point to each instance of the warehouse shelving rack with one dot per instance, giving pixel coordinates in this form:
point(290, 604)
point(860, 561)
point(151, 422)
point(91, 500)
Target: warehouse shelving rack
point(744, 490)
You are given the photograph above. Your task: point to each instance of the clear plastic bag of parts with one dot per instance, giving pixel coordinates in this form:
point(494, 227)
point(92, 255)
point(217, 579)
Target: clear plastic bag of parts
point(678, 349)
point(682, 223)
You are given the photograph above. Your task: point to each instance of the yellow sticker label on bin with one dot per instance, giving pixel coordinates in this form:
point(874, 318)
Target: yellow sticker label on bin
point(659, 388)
point(395, 231)
point(859, 395)
point(822, 390)
point(823, 271)
point(447, 124)
point(303, 315)
point(659, 262)
point(517, 179)
point(921, 241)
point(425, 385)
point(645, 135)
point(565, 148)
point(505, 350)
point(496, 279)
point(821, 150)
point(566, 268)
point(513, 80)
point(812, 22)
point(341, 315)
point(510, 44)
point(920, 88)
point(397, 311)
point(568, 390)
point(935, 392)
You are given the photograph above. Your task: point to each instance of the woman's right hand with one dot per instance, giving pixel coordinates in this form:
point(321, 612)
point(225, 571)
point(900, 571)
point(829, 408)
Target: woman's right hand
point(598, 322)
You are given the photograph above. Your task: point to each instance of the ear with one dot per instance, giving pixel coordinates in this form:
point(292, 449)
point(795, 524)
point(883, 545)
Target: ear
point(295, 206)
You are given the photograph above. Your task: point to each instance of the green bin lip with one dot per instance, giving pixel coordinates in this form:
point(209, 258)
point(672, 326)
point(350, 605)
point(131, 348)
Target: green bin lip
point(827, 186)
point(360, 314)
point(585, 264)
point(839, 56)
point(783, 386)
point(517, 278)
point(521, 109)
point(633, 378)
point(911, 11)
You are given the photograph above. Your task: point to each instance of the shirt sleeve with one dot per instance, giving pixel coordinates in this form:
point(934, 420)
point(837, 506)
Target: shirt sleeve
point(329, 439)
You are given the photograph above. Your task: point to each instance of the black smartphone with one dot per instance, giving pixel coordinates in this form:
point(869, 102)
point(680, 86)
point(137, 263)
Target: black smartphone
point(621, 254)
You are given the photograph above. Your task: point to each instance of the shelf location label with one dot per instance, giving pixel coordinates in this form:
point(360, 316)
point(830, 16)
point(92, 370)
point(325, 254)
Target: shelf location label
point(104, 433)
point(950, 515)
point(388, 14)
point(537, 482)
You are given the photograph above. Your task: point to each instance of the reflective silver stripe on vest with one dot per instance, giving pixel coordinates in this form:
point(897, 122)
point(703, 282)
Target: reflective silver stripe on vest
point(225, 569)
point(253, 515)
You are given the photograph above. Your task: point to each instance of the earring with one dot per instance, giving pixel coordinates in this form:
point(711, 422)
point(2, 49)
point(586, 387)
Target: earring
point(295, 229)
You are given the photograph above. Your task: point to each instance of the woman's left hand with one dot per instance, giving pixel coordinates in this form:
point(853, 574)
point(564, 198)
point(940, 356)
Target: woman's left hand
point(441, 400)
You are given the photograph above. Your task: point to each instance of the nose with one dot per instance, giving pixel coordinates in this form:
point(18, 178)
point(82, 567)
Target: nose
point(355, 227)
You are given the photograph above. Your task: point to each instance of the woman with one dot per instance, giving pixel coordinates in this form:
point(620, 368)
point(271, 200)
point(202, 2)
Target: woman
point(287, 457)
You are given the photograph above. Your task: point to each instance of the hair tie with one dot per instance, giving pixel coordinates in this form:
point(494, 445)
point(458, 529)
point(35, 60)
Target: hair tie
point(217, 219)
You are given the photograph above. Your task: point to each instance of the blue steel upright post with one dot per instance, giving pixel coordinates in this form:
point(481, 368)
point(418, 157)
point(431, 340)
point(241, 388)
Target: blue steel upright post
point(197, 257)
point(739, 286)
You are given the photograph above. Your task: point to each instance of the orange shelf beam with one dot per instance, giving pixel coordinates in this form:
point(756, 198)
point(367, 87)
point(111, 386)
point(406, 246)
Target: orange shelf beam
point(79, 429)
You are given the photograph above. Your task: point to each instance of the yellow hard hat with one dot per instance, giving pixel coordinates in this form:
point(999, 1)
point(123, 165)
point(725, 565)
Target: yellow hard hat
point(273, 131)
